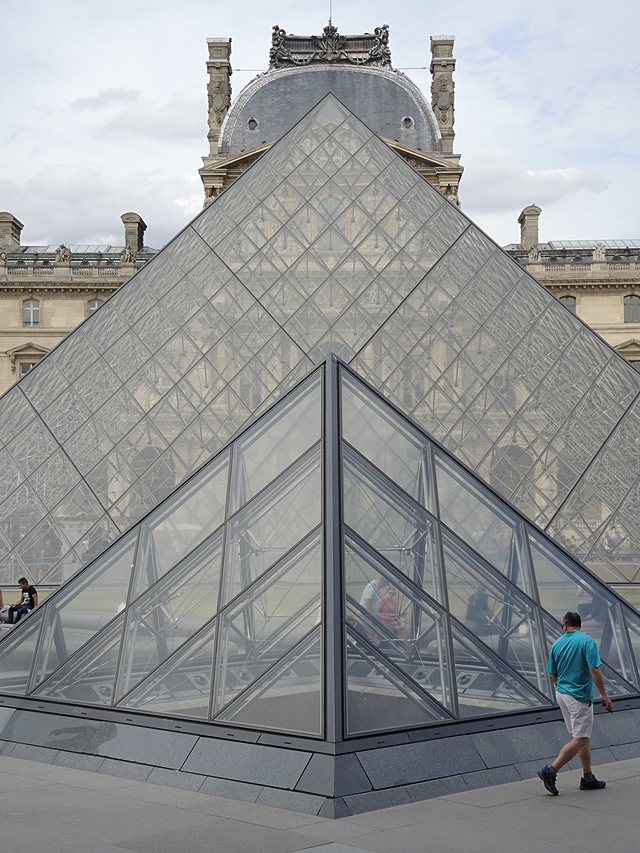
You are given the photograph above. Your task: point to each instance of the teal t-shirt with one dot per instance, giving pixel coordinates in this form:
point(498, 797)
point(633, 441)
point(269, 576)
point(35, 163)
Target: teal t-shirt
point(572, 656)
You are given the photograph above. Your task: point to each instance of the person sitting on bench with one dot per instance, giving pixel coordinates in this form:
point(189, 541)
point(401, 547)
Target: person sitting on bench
point(26, 604)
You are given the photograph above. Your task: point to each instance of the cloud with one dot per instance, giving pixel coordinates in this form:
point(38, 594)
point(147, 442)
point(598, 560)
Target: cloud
point(83, 203)
point(492, 184)
point(105, 98)
point(183, 116)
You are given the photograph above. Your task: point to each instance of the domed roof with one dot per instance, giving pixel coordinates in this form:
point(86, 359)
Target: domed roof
point(384, 99)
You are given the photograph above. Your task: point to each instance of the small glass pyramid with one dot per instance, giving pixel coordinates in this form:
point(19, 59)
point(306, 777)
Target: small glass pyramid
point(330, 242)
point(412, 593)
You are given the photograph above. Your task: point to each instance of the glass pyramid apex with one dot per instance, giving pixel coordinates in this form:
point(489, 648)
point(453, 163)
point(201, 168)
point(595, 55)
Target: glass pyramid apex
point(330, 242)
point(332, 573)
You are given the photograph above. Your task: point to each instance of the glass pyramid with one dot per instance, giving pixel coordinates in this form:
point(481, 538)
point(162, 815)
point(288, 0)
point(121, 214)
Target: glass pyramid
point(330, 242)
point(333, 572)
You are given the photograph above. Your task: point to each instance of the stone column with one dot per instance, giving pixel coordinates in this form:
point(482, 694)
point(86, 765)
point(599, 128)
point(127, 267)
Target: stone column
point(442, 88)
point(10, 231)
point(218, 88)
point(134, 228)
point(528, 219)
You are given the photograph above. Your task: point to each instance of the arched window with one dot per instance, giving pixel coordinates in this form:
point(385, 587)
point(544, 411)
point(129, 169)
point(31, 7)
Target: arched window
point(569, 302)
point(93, 305)
point(31, 312)
point(632, 309)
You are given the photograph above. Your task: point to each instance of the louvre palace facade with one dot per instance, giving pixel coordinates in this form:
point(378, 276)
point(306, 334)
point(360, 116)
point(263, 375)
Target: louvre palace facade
point(330, 389)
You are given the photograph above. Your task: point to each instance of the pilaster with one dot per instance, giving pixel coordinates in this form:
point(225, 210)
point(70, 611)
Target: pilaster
point(443, 88)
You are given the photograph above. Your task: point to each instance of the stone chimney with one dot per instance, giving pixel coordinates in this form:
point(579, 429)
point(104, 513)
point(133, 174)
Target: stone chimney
point(134, 228)
point(10, 230)
point(528, 220)
point(218, 88)
point(442, 88)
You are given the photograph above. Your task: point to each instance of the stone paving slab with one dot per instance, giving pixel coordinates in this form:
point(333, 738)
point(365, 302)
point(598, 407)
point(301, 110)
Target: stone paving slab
point(77, 811)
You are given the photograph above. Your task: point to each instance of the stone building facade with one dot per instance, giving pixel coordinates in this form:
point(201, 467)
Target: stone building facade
point(599, 280)
point(46, 291)
point(358, 70)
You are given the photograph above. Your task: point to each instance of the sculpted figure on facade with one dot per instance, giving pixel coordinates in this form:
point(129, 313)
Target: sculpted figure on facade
point(380, 53)
point(3, 257)
point(63, 254)
point(278, 52)
point(219, 99)
point(599, 252)
point(442, 98)
point(535, 255)
point(127, 255)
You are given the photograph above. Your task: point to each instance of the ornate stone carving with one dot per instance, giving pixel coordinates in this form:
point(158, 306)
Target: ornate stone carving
point(535, 255)
point(63, 254)
point(331, 46)
point(599, 252)
point(127, 255)
point(442, 99)
point(3, 257)
point(219, 99)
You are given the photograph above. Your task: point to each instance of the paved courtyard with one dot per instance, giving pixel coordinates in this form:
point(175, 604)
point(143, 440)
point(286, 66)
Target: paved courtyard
point(55, 809)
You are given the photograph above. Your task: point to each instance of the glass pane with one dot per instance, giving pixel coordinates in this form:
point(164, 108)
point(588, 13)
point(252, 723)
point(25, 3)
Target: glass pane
point(391, 523)
point(276, 441)
point(492, 609)
point(379, 696)
point(169, 613)
point(182, 685)
point(18, 652)
point(271, 524)
point(487, 526)
point(383, 608)
point(485, 684)
point(386, 440)
point(77, 614)
point(288, 697)
point(181, 524)
point(564, 586)
point(268, 620)
point(88, 676)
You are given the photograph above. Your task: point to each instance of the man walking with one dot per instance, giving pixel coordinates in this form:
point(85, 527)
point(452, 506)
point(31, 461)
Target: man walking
point(574, 667)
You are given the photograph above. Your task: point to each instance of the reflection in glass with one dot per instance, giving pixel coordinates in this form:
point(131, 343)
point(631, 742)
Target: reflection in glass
point(494, 610)
point(399, 529)
point(77, 614)
point(169, 613)
point(182, 684)
point(17, 654)
point(276, 441)
point(379, 696)
point(386, 440)
point(484, 683)
point(288, 697)
point(89, 675)
point(272, 523)
point(181, 524)
point(488, 527)
point(405, 627)
point(270, 618)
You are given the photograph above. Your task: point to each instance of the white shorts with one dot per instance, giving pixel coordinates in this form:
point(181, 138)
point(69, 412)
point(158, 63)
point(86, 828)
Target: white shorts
point(578, 716)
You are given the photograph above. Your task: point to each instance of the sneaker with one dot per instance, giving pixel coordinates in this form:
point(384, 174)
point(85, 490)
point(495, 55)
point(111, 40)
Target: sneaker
point(592, 784)
point(548, 775)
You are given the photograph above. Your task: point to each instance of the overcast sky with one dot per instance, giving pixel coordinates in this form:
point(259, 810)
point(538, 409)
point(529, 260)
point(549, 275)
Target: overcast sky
point(103, 106)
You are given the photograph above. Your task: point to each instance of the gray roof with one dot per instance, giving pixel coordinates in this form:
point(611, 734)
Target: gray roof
point(387, 101)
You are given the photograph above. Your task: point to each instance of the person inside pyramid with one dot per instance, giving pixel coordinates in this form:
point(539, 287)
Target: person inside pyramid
point(479, 616)
point(373, 594)
point(389, 615)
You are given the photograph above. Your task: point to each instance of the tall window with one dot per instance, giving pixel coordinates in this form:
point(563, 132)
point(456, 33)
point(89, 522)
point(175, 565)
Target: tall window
point(632, 309)
point(31, 312)
point(569, 302)
point(93, 305)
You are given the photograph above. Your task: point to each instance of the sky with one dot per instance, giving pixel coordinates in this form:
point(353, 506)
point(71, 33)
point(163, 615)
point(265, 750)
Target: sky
point(103, 106)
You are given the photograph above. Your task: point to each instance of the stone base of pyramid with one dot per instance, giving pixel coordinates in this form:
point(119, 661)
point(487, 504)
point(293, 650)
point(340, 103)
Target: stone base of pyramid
point(302, 775)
